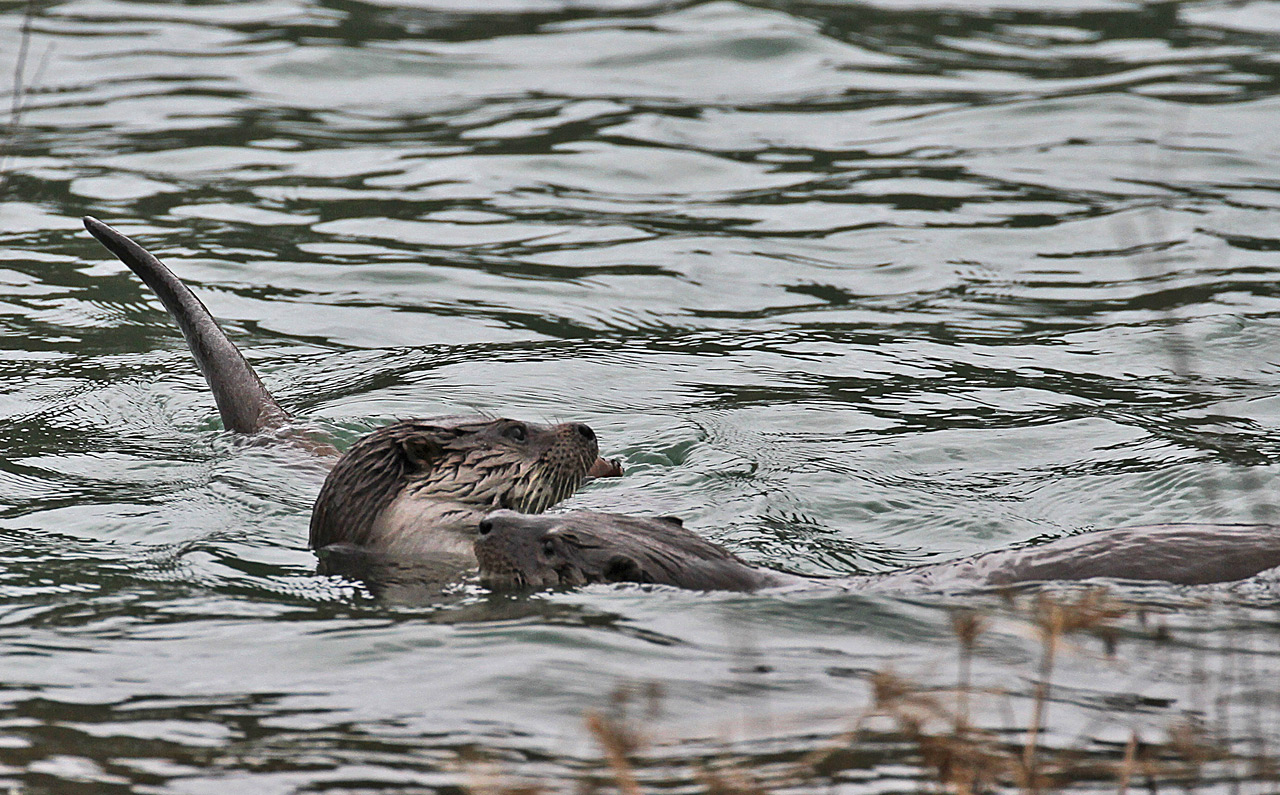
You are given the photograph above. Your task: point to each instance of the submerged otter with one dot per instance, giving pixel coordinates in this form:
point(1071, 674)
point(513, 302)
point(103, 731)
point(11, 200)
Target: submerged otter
point(517, 551)
point(415, 487)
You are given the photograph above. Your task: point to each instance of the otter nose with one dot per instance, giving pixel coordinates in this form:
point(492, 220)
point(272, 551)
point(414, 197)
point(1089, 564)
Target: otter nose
point(585, 431)
point(485, 526)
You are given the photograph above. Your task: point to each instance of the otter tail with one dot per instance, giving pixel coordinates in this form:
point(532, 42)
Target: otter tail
point(244, 403)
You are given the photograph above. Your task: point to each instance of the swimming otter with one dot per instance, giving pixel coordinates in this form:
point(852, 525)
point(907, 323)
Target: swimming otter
point(420, 487)
point(415, 487)
point(516, 551)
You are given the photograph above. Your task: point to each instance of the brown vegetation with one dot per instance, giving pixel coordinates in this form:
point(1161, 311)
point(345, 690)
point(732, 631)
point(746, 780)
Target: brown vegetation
point(929, 727)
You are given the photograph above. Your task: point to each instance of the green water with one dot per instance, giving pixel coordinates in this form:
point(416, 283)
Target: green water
point(847, 286)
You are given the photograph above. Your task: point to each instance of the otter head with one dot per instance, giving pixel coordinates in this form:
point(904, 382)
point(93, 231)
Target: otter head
point(421, 486)
point(516, 551)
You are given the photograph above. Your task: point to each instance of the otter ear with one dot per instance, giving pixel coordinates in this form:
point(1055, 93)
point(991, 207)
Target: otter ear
point(621, 568)
point(675, 520)
point(420, 452)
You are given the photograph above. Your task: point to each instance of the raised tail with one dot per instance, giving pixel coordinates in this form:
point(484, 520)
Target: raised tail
point(244, 403)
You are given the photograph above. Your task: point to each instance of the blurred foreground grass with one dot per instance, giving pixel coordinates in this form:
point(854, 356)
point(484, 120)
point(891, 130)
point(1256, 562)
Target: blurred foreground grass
point(923, 732)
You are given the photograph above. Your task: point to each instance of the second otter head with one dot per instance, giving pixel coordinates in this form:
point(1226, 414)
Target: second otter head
point(421, 486)
point(519, 552)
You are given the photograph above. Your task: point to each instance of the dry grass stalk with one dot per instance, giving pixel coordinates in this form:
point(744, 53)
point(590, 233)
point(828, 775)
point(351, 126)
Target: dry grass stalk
point(506, 789)
point(1128, 764)
point(1050, 620)
point(485, 778)
point(617, 742)
point(728, 780)
point(1095, 612)
point(968, 625)
point(962, 758)
point(616, 733)
point(957, 756)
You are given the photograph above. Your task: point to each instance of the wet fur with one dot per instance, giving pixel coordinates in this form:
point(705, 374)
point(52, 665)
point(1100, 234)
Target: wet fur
point(582, 547)
point(1182, 554)
point(577, 548)
point(416, 487)
point(244, 403)
point(420, 487)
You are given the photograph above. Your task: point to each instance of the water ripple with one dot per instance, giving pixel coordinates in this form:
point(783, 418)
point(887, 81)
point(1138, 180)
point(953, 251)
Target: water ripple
point(848, 286)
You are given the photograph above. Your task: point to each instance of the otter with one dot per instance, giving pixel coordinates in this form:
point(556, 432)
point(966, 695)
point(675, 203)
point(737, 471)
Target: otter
point(412, 488)
point(516, 551)
point(421, 487)
point(244, 403)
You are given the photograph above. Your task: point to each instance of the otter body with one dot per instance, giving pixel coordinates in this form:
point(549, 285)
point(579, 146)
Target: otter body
point(421, 489)
point(1181, 554)
point(416, 488)
point(580, 547)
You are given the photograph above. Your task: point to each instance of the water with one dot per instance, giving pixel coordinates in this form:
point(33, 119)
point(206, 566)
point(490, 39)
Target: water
point(846, 286)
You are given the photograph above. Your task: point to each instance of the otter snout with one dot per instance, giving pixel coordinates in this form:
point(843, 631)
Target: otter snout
point(503, 521)
point(506, 548)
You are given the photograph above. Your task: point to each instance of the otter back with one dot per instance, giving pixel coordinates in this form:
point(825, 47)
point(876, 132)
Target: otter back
point(575, 548)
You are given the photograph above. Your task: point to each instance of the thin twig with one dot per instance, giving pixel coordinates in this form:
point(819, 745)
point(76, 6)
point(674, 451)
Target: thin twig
point(1127, 766)
point(615, 752)
point(18, 99)
point(1052, 623)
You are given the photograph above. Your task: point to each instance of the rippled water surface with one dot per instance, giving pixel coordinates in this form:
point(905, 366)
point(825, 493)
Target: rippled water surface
point(848, 286)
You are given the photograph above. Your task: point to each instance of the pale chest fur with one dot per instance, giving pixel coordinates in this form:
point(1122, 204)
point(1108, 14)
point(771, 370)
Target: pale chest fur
point(416, 524)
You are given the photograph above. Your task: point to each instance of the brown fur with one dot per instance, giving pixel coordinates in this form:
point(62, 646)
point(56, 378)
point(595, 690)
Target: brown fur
point(422, 486)
point(415, 486)
point(581, 547)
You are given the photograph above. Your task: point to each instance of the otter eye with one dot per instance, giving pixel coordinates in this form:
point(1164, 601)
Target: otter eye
point(549, 547)
point(516, 433)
